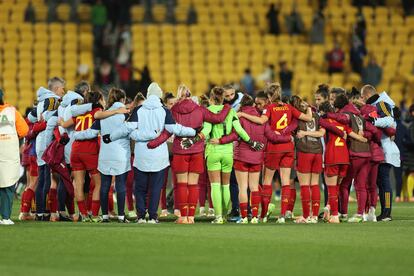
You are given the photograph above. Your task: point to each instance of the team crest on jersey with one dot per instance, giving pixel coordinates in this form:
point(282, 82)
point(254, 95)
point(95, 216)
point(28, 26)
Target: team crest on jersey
point(311, 126)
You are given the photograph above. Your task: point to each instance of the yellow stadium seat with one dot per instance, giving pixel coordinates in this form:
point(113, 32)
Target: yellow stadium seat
point(41, 12)
point(63, 12)
point(159, 12)
point(84, 12)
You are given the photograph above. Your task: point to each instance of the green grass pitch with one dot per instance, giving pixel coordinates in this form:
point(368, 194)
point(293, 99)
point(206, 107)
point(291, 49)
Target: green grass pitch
point(35, 248)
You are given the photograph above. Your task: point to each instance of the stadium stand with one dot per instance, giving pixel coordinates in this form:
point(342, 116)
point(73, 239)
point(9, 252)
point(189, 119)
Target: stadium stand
point(232, 35)
point(31, 53)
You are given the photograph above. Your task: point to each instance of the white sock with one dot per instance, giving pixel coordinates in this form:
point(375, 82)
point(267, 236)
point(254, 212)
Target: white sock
point(121, 217)
point(105, 217)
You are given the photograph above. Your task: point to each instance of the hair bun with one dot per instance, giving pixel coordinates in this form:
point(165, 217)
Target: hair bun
point(323, 86)
point(218, 91)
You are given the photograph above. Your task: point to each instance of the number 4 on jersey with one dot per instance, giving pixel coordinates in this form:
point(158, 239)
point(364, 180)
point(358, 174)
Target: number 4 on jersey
point(283, 122)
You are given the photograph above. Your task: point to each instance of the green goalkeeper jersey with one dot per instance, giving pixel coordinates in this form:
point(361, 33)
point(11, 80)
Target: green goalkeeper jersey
point(223, 129)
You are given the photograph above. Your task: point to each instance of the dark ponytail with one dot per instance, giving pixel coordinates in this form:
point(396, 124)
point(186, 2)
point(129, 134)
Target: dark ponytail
point(323, 90)
point(217, 93)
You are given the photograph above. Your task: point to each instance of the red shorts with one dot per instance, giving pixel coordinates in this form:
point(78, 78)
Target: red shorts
point(339, 170)
point(276, 160)
point(188, 163)
point(309, 162)
point(33, 166)
point(246, 167)
point(84, 162)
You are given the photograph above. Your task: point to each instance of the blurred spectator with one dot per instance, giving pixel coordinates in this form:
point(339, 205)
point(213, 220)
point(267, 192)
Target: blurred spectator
point(124, 45)
point(360, 29)
point(335, 59)
point(317, 33)
point(247, 82)
point(273, 19)
point(124, 71)
point(105, 74)
point(170, 14)
point(400, 136)
point(286, 77)
point(408, 6)
point(29, 13)
point(191, 15)
point(145, 79)
point(409, 157)
point(357, 54)
point(83, 74)
point(99, 19)
point(123, 65)
point(294, 22)
point(372, 73)
point(268, 75)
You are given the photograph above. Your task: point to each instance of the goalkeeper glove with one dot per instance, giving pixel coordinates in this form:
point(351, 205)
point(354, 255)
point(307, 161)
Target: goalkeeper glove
point(188, 143)
point(255, 145)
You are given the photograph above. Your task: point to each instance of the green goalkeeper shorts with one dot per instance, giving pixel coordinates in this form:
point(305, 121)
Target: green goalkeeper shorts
point(220, 162)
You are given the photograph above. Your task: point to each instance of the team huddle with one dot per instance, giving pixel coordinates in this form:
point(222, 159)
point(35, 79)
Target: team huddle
point(82, 147)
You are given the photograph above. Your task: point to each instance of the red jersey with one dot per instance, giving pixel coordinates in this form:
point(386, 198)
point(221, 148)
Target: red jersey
point(84, 122)
point(336, 151)
point(280, 116)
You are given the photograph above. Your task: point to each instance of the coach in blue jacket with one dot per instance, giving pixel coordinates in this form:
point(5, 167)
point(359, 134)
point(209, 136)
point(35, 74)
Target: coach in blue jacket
point(146, 123)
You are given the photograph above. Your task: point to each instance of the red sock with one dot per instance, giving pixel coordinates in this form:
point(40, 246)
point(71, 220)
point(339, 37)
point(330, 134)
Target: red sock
point(192, 199)
point(96, 204)
point(255, 198)
point(243, 209)
point(182, 197)
point(285, 200)
point(52, 200)
point(316, 199)
point(70, 205)
point(333, 199)
point(266, 198)
point(305, 198)
point(110, 200)
point(82, 208)
point(27, 198)
point(90, 193)
point(292, 199)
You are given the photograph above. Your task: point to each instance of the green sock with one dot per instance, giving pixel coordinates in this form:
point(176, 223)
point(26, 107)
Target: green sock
point(216, 197)
point(225, 190)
